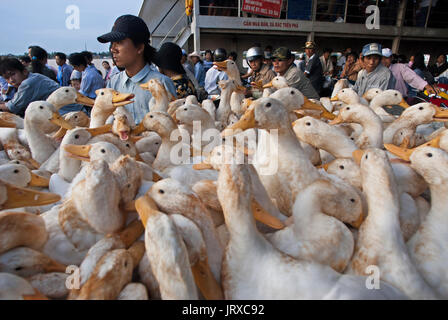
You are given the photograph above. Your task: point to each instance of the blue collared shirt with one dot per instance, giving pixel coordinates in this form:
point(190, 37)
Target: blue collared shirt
point(34, 88)
point(91, 81)
point(4, 85)
point(64, 74)
point(199, 73)
point(123, 83)
point(212, 77)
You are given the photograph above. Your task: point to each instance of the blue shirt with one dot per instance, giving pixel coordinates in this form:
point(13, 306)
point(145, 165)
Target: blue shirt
point(91, 81)
point(199, 73)
point(212, 77)
point(123, 83)
point(64, 74)
point(207, 65)
point(4, 85)
point(34, 88)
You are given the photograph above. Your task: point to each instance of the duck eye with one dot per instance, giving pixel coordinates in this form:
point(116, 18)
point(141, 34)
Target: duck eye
point(185, 109)
point(348, 108)
point(18, 268)
point(76, 117)
point(308, 123)
point(103, 151)
point(18, 162)
point(341, 167)
point(429, 155)
point(156, 143)
point(16, 171)
point(366, 157)
point(421, 108)
point(127, 145)
point(161, 191)
point(292, 92)
point(102, 93)
point(352, 200)
point(268, 105)
point(77, 136)
point(352, 138)
point(41, 107)
point(66, 90)
point(151, 116)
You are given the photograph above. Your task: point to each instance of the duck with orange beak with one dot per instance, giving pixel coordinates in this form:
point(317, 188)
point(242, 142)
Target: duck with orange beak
point(107, 100)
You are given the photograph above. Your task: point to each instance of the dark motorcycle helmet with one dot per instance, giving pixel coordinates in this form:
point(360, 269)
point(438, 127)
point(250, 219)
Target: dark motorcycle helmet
point(220, 55)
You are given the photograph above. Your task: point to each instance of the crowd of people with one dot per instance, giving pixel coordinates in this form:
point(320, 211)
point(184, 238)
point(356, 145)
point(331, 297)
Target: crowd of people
point(30, 78)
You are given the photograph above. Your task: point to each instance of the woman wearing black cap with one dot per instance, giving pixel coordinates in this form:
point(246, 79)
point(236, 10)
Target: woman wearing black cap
point(168, 59)
point(131, 50)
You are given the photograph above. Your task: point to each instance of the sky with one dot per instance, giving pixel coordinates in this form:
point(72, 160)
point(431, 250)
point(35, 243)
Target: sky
point(46, 23)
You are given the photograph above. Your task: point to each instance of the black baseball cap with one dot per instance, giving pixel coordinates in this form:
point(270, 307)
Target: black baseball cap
point(127, 26)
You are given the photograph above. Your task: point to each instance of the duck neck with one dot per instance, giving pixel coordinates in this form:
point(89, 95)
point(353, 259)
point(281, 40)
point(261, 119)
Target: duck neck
point(223, 112)
point(383, 202)
point(241, 225)
point(68, 167)
point(398, 124)
point(439, 203)
point(99, 117)
point(161, 102)
point(40, 144)
point(310, 201)
point(372, 132)
point(163, 158)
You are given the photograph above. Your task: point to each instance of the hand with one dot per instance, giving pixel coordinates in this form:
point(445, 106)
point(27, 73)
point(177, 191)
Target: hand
point(3, 107)
point(432, 90)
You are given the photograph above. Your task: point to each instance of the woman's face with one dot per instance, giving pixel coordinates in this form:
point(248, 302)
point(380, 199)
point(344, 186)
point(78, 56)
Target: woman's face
point(441, 59)
point(15, 77)
point(125, 53)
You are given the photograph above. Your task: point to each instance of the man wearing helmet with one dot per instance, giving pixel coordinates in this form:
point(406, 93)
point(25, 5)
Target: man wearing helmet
point(261, 71)
point(213, 75)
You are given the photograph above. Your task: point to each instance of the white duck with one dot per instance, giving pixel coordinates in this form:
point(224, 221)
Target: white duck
point(316, 235)
point(249, 257)
point(294, 169)
point(381, 230)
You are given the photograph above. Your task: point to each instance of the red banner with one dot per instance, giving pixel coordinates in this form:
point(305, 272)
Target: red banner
point(269, 8)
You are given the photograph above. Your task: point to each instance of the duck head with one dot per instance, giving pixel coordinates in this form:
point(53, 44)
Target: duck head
point(160, 122)
point(229, 67)
point(278, 82)
point(26, 262)
point(91, 152)
point(15, 197)
point(68, 95)
point(371, 93)
point(108, 99)
point(157, 89)
point(264, 113)
point(21, 176)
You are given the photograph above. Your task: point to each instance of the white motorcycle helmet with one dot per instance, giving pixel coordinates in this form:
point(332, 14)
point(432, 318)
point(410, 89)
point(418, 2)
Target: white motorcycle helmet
point(254, 53)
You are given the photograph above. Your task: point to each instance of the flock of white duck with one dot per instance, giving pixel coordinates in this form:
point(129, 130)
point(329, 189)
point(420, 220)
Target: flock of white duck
point(354, 187)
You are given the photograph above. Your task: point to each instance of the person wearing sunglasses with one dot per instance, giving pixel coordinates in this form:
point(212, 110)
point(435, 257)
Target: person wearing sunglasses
point(284, 66)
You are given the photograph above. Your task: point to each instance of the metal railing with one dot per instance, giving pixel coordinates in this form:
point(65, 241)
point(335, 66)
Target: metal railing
point(340, 11)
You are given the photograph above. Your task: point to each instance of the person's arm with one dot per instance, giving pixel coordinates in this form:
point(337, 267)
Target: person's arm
point(21, 99)
point(3, 107)
point(413, 79)
point(86, 85)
